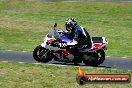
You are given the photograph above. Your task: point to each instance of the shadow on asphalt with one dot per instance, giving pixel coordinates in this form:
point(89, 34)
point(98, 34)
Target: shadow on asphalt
point(72, 64)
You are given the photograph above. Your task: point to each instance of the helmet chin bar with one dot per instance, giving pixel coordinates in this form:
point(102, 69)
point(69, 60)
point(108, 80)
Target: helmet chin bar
point(69, 28)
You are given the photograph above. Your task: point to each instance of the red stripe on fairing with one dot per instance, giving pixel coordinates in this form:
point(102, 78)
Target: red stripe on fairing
point(97, 45)
point(50, 41)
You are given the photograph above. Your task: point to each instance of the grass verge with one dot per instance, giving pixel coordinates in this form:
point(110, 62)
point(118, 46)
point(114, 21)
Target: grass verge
point(26, 75)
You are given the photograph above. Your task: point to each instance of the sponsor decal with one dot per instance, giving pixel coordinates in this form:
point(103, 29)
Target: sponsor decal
point(83, 78)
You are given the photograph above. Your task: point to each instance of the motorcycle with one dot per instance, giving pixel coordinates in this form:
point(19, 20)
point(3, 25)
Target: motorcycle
point(60, 46)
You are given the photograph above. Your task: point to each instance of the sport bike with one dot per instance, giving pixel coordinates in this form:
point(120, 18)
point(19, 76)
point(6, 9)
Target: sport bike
point(60, 46)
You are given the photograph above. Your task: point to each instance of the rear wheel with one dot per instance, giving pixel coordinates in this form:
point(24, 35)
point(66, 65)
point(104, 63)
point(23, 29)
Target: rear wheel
point(101, 56)
point(94, 59)
point(90, 60)
point(41, 54)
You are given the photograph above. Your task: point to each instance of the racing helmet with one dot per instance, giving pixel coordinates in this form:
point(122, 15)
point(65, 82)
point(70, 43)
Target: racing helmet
point(70, 24)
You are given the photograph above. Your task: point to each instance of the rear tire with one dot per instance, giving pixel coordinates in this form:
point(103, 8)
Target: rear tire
point(101, 57)
point(95, 59)
point(41, 54)
point(90, 61)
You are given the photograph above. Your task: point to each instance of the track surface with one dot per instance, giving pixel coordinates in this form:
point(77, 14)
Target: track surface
point(110, 62)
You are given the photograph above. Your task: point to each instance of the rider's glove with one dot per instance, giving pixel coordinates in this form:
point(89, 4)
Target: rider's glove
point(76, 38)
point(74, 41)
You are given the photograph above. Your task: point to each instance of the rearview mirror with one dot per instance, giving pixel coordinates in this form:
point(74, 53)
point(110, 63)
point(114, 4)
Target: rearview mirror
point(55, 25)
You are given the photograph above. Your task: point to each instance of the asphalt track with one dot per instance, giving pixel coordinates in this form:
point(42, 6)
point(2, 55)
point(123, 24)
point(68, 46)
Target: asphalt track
point(110, 62)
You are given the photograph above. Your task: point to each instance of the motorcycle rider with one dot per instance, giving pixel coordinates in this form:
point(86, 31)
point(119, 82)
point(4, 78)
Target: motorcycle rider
point(78, 33)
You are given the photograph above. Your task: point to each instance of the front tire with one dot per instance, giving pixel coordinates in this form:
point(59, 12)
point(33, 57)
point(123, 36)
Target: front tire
point(41, 54)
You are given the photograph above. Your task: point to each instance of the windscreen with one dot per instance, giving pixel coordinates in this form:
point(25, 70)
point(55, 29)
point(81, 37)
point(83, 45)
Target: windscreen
point(54, 34)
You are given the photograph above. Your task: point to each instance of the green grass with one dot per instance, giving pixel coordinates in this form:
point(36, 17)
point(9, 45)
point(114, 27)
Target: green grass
point(23, 24)
point(27, 75)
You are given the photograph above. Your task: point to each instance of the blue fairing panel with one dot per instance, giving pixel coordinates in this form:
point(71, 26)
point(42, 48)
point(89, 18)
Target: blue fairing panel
point(66, 38)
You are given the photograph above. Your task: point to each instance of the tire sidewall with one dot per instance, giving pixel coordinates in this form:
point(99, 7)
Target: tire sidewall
point(36, 57)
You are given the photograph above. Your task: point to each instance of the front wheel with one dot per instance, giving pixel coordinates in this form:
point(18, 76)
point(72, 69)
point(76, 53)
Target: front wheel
point(41, 54)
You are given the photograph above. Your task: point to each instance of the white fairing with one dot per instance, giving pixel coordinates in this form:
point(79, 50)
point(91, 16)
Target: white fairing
point(55, 48)
point(44, 44)
point(104, 40)
point(48, 46)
